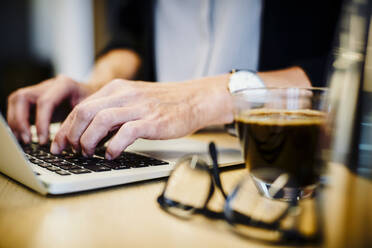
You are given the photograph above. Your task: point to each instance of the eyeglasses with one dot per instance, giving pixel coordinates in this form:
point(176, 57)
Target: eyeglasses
point(193, 182)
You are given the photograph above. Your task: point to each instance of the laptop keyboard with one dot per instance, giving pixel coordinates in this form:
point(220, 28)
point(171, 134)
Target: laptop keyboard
point(69, 163)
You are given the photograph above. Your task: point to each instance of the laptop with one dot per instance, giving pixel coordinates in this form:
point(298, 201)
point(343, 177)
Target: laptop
point(33, 166)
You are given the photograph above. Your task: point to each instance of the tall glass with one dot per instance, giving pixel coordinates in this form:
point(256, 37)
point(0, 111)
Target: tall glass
point(281, 133)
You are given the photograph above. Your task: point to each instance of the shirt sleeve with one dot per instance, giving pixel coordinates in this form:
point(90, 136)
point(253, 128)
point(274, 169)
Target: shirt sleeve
point(130, 26)
point(316, 69)
point(127, 23)
point(300, 33)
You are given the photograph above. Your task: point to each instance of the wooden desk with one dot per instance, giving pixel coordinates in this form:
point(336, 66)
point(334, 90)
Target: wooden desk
point(128, 216)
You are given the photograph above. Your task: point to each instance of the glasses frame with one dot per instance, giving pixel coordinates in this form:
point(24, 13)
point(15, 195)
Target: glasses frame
point(287, 236)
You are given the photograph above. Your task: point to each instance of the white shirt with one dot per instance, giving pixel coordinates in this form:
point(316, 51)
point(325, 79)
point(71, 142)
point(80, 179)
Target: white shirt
point(197, 38)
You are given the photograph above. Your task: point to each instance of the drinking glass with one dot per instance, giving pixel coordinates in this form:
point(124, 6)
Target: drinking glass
point(282, 133)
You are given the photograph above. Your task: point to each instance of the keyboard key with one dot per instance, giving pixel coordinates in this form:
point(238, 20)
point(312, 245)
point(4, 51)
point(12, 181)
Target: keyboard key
point(73, 160)
point(139, 164)
point(79, 171)
point(69, 167)
point(100, 151)
point(158, 162)
point(52, 160)
point(53, 168)
point(60, 163)
point(44, 148)
point(121, 167)
point(63, 173)
point(44, 165)
point(96, 167)
point(68, 156)
point(33, 160)
point(110, 163)
point(70, 162)
point(63, 163)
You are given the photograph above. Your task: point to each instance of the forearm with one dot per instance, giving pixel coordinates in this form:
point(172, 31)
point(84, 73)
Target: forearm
point(288, 77)
point(118, 63)
point(151, 111)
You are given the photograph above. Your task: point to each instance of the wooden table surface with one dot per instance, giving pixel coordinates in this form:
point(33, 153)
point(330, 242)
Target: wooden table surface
point(129, 216)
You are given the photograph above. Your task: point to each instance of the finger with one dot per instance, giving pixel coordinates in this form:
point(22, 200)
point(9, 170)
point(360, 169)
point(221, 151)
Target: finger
point(18, 114)
point(104, 91)
point(18, 108)
point(21, 120)
point(127, 134)
point(84, 114)
point(132, 92)
point(45, 106)
point(60, 141)
point(105, 121)
point(9, 117)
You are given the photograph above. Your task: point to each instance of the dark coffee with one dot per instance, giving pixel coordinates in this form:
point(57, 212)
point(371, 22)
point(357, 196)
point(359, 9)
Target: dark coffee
point(282, 141)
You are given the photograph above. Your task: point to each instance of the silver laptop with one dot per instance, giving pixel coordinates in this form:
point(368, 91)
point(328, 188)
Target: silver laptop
point(33, 165)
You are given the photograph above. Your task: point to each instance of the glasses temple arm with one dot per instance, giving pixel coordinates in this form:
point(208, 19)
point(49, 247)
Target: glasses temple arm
point(215, 169)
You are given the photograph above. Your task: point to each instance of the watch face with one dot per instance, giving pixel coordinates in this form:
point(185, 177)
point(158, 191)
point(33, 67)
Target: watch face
point(244, 80)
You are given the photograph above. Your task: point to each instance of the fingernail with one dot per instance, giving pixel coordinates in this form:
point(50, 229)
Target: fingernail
point(108, 156)
point(25, 138)
point(42, 139)
point(54, 148)
point(73, 150)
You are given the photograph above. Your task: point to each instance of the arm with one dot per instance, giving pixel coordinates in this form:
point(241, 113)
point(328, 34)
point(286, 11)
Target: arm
point(117, 63)
point(120, 59)
point(47, 95)
point(292, 76)
point(155, 111)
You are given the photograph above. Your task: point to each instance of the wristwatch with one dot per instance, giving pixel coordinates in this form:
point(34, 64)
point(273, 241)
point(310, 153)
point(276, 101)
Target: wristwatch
point(244, 79)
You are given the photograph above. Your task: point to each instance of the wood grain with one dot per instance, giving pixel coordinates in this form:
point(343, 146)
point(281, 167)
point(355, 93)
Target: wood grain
point(123, 216)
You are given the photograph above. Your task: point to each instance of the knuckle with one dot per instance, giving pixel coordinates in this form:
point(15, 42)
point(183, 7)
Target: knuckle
point(104, 117)
point(86, 143)
point(18, 95)
point(58, 138)
point(72, 140)
point(83, 112)
point(114, 149)
point(135, 92)
point(131, 132)
point(156, 127)
point(10, 99)
point(148, 107)
point(62, 77)
point(116, 83)
point(43, 100)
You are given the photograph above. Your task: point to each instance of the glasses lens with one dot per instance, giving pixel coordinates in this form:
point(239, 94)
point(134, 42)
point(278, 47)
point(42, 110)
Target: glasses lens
point(253, 215)
point(188, 186)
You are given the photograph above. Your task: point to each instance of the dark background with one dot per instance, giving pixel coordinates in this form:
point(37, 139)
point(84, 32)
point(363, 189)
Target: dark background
point(19, 66)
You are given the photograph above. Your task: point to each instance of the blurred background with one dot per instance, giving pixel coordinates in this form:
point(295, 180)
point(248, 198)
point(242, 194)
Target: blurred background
point(43, 38)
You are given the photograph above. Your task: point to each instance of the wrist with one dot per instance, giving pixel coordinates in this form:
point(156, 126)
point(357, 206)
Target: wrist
point(218, 106)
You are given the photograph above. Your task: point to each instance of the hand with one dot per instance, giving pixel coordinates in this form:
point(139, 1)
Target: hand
point(46, 96)
point(144, 110)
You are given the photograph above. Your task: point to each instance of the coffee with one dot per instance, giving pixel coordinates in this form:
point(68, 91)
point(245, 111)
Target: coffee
point(282, 141)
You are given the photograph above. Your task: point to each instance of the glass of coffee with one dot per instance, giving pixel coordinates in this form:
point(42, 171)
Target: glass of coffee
point(281, 131)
